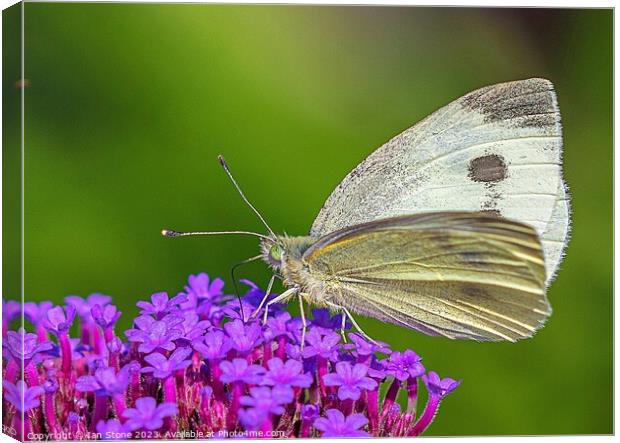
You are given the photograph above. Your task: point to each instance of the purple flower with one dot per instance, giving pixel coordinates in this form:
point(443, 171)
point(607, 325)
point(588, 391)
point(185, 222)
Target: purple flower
point(15, 393)
point(213, 345)
point(255, 295)
point(325, 346)
point(83, 306)
point(364, 347)
point(160, 304)
point(252, 418)
point(404, 365)
point(310, 412)
point(266, 400)
point(286, 374)
point(113, 430)
point(244, 337)
point(200, 286)
point(106, 316)
point(294, 352)
point(249, 376)
point(437, 386)
point(240, 370)
point(324, 322)
point(277, 325)
point(163, 367)
point(11, 309)
point(50, 386)
point(160, 334)
point(23, 346)
point(148, 415)
point(58, 321)
point(174, 320)
point(106, 381)
point(192, 327)
point(144, 324)
point(335, 424)
point(350, 380)
point(376, 369)
point(192, 304)
point(115, 345)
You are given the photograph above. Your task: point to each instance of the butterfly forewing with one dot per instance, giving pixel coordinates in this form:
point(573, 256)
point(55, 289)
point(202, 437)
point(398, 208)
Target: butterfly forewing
point(496, 149)
point(460, 275)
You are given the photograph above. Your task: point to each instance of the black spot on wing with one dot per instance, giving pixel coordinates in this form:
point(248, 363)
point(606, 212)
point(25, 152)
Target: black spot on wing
point(488, 169)
point(526, 103)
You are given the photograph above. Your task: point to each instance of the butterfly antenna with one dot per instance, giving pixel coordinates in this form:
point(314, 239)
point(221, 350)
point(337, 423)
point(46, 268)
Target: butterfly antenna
point(234, 182)
point(234, 280)
point(171, 233)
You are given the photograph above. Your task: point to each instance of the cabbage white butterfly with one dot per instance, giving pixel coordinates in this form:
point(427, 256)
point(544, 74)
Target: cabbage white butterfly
point(453, 228)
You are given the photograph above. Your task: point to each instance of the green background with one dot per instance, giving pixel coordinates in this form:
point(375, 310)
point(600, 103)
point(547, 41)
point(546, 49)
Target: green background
point(128, 106)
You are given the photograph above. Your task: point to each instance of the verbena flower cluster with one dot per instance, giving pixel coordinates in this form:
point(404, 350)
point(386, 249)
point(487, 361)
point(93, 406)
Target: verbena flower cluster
point(196, 366)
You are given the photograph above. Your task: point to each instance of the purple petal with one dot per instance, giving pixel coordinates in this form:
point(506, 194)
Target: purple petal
point(87, 383)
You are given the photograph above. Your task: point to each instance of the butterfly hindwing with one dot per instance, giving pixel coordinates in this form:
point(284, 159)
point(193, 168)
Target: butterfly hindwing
point(460, 275)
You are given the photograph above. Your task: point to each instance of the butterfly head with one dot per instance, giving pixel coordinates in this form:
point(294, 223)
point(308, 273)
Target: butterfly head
point(272, 251)
point(282, 251)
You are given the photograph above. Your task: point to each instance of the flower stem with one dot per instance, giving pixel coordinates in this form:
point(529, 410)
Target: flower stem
point(266, 353)
point(11, 372)
point(412, 395)
point(85, 328)
point(267, 425)
point(390, 397)
point(42, 336)
point(134, 386)
point(95, 339)
point(170, 395)
point(32, 375)
point(346, 406)
point(281, 349)
point(427, 416)
point(100, 412)
point(237, 391)
point(119, 406)
point(50, 413)
point(403, 424)
point(306, 428)
point(205, 411)
point(17, 426)
point(216, 372)
point(321, 371)
point(182, 392)
point(65, 351)
point(373, 410)
point(108, 334)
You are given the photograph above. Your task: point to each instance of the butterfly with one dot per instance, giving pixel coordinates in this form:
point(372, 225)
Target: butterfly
point(455, 227)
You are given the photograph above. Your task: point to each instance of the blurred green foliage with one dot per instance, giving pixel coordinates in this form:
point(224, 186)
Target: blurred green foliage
point(128, 106)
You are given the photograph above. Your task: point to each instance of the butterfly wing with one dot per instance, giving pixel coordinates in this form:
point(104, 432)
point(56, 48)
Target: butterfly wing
point(460, 275)
point(497, 149)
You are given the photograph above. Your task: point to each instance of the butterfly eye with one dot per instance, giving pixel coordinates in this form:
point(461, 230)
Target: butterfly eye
point(275, 252)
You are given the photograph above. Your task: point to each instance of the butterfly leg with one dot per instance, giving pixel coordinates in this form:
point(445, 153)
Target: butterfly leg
point(265, 298)
point(304, 323)
point(342, 327)
point(286, 294)
point(348, 314)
